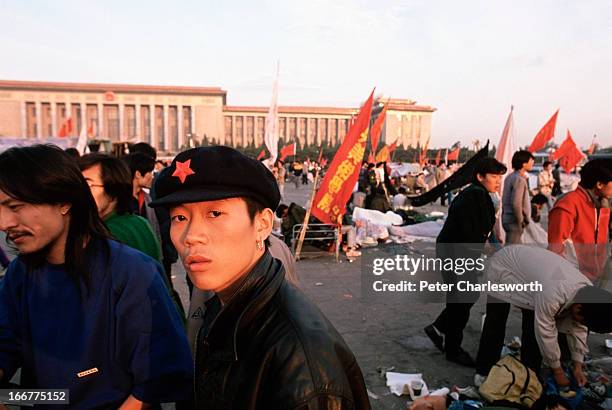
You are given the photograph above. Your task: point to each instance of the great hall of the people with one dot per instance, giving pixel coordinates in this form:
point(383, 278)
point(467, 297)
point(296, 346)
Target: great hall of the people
point(168, 116)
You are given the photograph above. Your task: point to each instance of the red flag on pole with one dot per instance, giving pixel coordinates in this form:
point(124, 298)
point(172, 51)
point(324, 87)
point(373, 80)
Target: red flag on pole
point(287, 150)
point(568, 153)
point(393, 146)
point(377, 128)
point(320, 158)
point(261, 155)
point(453, 155)
point(371, 158)
point(438, 157)
point(545, 134)
point(329, 204)
point(66, 128)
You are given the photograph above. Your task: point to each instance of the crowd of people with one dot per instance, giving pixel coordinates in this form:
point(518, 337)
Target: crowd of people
point(88, 304)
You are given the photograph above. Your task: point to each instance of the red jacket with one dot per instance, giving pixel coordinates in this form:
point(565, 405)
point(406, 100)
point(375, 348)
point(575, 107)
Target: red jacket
point(575, 217)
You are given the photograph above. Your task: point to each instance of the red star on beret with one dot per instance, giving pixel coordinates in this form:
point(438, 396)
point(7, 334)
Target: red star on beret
point(183, 170)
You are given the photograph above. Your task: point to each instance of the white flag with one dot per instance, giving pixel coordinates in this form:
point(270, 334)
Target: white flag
point(504, 152)
point(81, 145)
point(271, 135)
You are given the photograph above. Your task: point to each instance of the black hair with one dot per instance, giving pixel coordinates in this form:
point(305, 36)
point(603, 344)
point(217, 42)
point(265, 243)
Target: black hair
point(253, 208)
point(550, 402)
point(596, 304)
point(115, 176)
point(371, 165)
point(539, 199)
point(519, 158)
point(45, 174)
point(594, 171)
point(402, 190)
point(546, 163)
point(488, 165)
point(73, 152)
point(144, 148)
point(140, 162)
point(280, 209)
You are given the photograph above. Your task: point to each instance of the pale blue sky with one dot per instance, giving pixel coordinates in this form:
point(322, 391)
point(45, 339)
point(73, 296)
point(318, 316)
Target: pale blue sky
point(469, 59)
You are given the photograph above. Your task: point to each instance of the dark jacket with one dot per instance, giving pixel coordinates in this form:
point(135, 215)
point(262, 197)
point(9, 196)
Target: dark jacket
point(270, 347)
point(470, 219)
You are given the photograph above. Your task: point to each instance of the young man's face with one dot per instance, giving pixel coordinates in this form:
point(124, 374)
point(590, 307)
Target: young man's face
point(106, 205)
point(216, 240)
point(528, 166)
point(144, 181)
point(34, 227)
point(604, 190)
point(491, 182)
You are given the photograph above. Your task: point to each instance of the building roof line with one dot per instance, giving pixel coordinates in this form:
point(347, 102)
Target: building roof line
point(100, 87)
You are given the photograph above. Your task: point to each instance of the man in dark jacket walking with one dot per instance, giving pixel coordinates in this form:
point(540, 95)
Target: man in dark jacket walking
point(470, 220)
point(262, 343)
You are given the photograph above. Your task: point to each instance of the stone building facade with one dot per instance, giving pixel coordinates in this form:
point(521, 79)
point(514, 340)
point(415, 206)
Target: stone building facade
point(167, 117)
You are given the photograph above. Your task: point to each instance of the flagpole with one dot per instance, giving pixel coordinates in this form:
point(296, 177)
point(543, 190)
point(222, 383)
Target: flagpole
point(298, 248)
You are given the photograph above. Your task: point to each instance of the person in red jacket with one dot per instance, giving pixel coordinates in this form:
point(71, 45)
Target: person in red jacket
point(580, 219)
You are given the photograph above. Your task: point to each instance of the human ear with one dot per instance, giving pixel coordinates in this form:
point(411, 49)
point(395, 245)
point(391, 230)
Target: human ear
point(263, 223)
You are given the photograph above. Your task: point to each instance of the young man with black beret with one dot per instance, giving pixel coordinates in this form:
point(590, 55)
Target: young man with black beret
point(262, 343)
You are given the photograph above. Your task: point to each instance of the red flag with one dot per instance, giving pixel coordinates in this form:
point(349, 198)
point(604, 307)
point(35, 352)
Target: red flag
point(453, 155)
point(287, 150)
point(371, 158)
point(568, 153)
point(377, 128)
point(438, 157)
point(545, 134)
point(66, 128)
point(91, 130)
point(393, 146)
point(329, 204)
point(323, 162)
point(320, 158)
point(262, 154)
point(383, 155)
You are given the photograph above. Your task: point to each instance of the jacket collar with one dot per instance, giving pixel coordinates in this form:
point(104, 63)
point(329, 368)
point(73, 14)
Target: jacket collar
point(593, 200)
point(259, 286)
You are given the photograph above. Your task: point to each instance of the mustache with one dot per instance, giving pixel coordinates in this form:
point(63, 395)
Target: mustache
point(12, 235)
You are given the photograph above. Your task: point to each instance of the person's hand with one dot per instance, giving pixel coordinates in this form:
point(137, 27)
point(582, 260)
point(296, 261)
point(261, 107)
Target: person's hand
point(560, 378)
point(579, 374)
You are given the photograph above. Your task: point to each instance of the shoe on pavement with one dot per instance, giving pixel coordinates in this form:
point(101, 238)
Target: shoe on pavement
point(479, 379)
point(462, 358)
point(435, 336)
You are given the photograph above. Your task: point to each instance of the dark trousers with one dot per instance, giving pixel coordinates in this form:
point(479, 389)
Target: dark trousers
point(494, 333)
point(456, 314)
point(451, 322)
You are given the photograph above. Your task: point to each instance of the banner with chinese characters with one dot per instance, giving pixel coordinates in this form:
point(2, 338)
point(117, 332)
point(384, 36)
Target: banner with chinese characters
point(329, 204)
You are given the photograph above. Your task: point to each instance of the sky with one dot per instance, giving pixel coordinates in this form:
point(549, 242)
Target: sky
point(471, 60)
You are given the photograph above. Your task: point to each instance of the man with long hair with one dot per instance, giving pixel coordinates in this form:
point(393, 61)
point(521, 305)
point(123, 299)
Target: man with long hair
point(79, 311)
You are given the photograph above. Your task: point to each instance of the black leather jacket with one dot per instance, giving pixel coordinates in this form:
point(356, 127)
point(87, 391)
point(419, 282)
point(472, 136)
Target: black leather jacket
point(272, 348)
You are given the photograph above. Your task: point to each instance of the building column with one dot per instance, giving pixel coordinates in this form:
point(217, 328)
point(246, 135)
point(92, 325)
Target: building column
point(192, 125)
point(245, 139)
point(83, 118)
point(100, 120)
point(121, 121)
point(166, 134)
point(307, 136)
point(139, 135)
point(233, 131)
point(54, 119)
point(181, 135)
point(38, 119)
point(154, 140)
point(24, 120)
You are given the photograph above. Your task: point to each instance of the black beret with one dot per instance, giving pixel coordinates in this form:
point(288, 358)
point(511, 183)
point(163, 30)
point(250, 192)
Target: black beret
point(212, 173)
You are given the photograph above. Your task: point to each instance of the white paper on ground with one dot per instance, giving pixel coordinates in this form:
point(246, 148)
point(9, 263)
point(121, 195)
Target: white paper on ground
point(399, 384)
